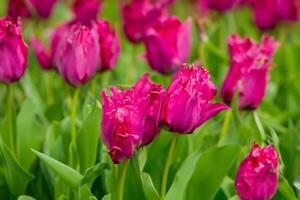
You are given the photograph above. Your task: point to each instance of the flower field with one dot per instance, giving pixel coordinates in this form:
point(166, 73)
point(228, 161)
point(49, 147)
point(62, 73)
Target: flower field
point(149, 99)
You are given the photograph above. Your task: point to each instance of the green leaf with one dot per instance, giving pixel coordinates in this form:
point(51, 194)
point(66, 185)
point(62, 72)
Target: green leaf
point(85, 193)
point(93, 172)
point(16, 177)
point(69, 175)
point(182, 177)
point(31, 131)
point(210, 170)
point(285, 190)
point(149, 189)
point(25, 197)
point(107, 197)
point(88, 138)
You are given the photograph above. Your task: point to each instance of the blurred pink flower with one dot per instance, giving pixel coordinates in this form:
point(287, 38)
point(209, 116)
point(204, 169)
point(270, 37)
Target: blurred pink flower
point(249, 66)
point(257, 175)
point(13, 50)
point(86, 10)
point(130, 117)
point(168, 44)
point(109, 45)
point(187, 104)
point(219, 5)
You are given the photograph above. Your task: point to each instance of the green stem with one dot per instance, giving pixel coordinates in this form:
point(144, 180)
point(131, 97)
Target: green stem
point(73, 126)
point(259, 126)
point(226, 123)
point(122, 181)
point(10, 117)
point(167, 167)
point(49, 83)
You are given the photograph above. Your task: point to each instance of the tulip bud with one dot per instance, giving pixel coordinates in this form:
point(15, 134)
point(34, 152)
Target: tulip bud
point(86, 10)
point(130, 118)
point(265, 13)
point(288, 9)
point(78, 58)
point(138, 17)
point(41, 53)
point(187, 104)
point(109, 45)
point(42, 7)
point(13, 50)
point(17, 8)
point(249, 66)
point(219, 5)
point(257, 175)
point(168, 44)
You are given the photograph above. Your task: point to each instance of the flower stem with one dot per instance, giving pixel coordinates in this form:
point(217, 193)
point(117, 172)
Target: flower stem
point(225, 127)
point(259, 126)
point(10, 117)
point(167, 166)
point(122, 181)
point(73, 126)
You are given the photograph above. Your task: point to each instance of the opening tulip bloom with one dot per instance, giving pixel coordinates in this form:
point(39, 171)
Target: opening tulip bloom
point(130, 117)
point(78, 57)
point(168, 44)
point(109, 45)
point(249, 66)
point(138, 17)
point(187, 104)
point(13, 50)
point(257, 175)
point(86, 10)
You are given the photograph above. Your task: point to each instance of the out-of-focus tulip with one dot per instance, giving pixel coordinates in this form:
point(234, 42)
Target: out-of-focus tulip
point(257, 175)
point(249, 66)
point(138, 17)
point(187, 104)
point(219, 5)
point(13, 50)
point(86, 10)
point(109, 45)
point(168, 44)
point(42, 55)
point(288, 9)
point(78, 58)
point(265, 13)
point(17, 8)
point(42, 7)
point(130, 117)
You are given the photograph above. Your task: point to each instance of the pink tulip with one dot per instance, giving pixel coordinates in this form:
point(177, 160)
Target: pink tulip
point(78, 56)
point(42, 7)
point(188, 104)
point(288, 9)
point(138, 17)
point(168, 44)
point(86, 10)
point(219, 5)
point(109, 45)
point(250, 64)
point(265, 13)
point(257, 175)
point(130, 118)
point(13, 50)
point(41, 54)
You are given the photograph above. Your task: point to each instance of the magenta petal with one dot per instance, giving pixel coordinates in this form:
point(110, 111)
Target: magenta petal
point(41, 53)
point(265, 13)
point(210, 111)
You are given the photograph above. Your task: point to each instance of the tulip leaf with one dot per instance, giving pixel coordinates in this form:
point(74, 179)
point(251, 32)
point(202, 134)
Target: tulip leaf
point(88, 138)
point(182, 177)
point(210, 170)
point(29, 123)
point(16, 177)
point(285, 190)
point(66, 173)
point(25, 197)
point(107, 197)
point(149, 189)
point(93, 172)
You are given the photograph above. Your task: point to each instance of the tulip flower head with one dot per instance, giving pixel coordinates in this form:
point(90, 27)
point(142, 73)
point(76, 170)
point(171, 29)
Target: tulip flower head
point(188, 104)
point(109, 45)
point(130, 117)
point(42, 7)
point(249, 66)
point(17, 8)
point(78, 58)
point(13, 50)
point(168, 44)
point(86, 10)
point(219, 5)
point(138, 17)
point(257, 175)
